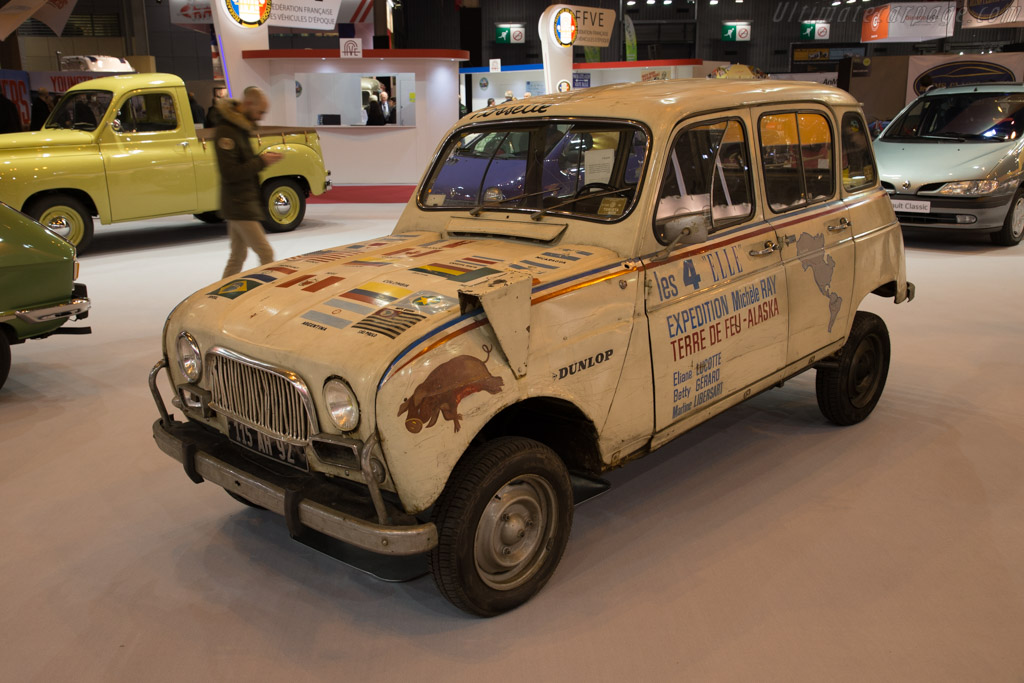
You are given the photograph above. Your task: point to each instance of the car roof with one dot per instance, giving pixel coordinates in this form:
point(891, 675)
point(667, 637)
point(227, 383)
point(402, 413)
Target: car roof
point(977, 87)
point(658, 102)
point(123, 82)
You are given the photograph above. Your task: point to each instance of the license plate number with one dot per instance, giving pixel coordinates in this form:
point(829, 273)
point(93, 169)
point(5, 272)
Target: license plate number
point(267, 446)
point(911, 205)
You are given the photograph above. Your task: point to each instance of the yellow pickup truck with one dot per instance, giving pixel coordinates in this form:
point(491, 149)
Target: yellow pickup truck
point(125, 148)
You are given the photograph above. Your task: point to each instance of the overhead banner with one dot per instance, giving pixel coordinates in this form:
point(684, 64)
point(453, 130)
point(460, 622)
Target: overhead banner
point(908, 22)
point(15, 13)
point(993, 14)
point(943, 71)
point(55, 14)
point(317, 15)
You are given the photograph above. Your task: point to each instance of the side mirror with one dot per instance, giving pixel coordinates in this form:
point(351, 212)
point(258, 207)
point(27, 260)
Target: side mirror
point(689, 229)
point(115, 126)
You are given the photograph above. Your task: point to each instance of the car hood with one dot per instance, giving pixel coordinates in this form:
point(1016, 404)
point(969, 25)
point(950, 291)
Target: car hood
point(45, 138)
point(920, 163)
point(350, 311)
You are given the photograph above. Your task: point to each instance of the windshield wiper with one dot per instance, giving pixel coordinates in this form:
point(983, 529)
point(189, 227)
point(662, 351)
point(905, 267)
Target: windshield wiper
point(959, 137)
point(590, 195)
point(476, 211)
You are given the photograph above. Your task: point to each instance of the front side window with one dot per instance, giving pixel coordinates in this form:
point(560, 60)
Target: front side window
point(961, 117)
point(586, 169)
point(81, 110)
point(148, 113)
point(796, 155)
point(858, 162)
point(708, 174)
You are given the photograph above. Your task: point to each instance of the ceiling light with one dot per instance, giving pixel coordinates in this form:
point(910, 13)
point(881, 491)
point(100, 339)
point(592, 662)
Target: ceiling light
point(668, 2)
point(713, 2)
point(630, 3)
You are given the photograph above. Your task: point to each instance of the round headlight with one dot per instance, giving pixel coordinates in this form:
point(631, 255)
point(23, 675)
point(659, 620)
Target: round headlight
point(190, 360)
point(341, 404)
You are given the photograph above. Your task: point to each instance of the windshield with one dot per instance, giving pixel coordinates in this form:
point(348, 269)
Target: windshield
point(585, 169)
point(81, 110)
point(983, 116)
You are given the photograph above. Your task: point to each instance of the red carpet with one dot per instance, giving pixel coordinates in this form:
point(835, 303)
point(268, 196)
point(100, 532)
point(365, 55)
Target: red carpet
point(364, 194)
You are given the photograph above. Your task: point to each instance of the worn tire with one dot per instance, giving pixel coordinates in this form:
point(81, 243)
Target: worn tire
point(284, 204)
point(209, 217)
point(503, 522)
point(1013, 225)
point(66, 216)
point(244, 501)
point(5, 358)
point(850, 383)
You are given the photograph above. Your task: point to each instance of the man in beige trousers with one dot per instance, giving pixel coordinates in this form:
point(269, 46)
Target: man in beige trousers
point(240, 197)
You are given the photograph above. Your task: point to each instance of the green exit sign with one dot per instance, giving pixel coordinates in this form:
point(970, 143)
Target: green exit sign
point(735, 32)
point(503, 34)
point(814, 30)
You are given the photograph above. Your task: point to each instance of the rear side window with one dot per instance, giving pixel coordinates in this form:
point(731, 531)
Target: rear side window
point(148, 113)
point(858, 162)
point(796, 154)
point(708, 173)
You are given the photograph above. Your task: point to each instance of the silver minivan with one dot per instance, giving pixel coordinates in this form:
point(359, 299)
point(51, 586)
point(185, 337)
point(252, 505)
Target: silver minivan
point(952, 160)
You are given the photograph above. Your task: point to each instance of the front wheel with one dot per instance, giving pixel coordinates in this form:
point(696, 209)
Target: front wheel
point(850, 383)
point(5, 358)
point(66, 216)
point(284, 203)
point(503, 522)
point(1013, 224)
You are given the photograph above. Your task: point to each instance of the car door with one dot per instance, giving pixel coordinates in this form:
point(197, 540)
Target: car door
point(148, 158)
point(798, 161)
point(716, 297)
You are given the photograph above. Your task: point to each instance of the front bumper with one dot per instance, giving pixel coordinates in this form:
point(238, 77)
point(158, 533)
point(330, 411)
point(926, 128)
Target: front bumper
point(338, 509)
point(984, 214)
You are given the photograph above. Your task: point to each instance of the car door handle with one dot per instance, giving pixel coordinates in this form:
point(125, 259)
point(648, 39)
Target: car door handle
point(184, 143)
point(844, 223)
point(769, 247)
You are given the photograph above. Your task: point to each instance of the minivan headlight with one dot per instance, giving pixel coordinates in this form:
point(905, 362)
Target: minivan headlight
point(190, 359)
point(969, 188)
point(341, 404)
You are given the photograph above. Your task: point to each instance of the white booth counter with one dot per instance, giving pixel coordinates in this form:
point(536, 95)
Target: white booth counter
point(319, 88)
point(524, 78)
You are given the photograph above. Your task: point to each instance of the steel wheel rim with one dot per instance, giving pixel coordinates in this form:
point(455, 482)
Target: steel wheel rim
point(514, 532)
point(865, 371)
point(65, 222)
point(283, 205)
point(1017, 219)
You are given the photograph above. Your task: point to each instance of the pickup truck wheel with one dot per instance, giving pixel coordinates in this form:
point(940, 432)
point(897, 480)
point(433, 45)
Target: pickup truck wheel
point(66, 216)
point(1013, 224)
point(503, 522)
point(209, 217)
point(5, 358)
point(850, 383)
point(284, 203)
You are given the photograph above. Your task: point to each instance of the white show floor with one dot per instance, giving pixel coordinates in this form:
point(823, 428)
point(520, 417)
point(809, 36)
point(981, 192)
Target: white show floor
point(766, 545)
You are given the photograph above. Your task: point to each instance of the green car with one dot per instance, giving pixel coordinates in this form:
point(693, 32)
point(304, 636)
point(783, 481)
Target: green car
point(38, 293)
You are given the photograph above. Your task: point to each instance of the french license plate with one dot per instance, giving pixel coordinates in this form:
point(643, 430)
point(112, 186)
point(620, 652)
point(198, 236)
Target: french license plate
point(267, 446)
point(911, 205)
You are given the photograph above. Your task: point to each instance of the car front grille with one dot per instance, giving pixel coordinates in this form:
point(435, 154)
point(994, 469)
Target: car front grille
point(926, 218)
point(270, 399)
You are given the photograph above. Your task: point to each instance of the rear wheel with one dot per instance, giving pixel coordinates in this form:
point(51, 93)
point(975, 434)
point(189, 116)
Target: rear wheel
point(850, 383)
point(1013, 224)
point(5, 358)
point(284, 203)
point(503, 522)
point(66, 216)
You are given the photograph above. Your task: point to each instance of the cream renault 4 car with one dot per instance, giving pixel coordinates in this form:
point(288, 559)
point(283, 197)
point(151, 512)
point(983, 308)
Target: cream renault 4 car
point(576, 282)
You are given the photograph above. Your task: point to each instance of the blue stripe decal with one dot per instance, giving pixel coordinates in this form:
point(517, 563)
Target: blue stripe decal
point(539, 265)
point(567, 257)
point(262, 277)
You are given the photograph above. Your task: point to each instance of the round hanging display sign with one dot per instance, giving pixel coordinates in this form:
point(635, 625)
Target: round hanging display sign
point(564, 86)
point(484, 83)
point(248, 13)
point(565, 27)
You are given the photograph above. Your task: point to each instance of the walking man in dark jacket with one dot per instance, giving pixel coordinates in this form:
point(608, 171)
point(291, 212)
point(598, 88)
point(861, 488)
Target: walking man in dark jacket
point(239, 166)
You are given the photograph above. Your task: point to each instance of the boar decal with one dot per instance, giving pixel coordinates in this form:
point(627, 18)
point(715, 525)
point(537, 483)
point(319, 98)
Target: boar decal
point(444, 387)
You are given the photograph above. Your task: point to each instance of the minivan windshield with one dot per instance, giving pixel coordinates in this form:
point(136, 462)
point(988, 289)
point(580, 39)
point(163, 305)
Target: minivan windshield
point(974, 116)
point(588, 169)
point(81, 110)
